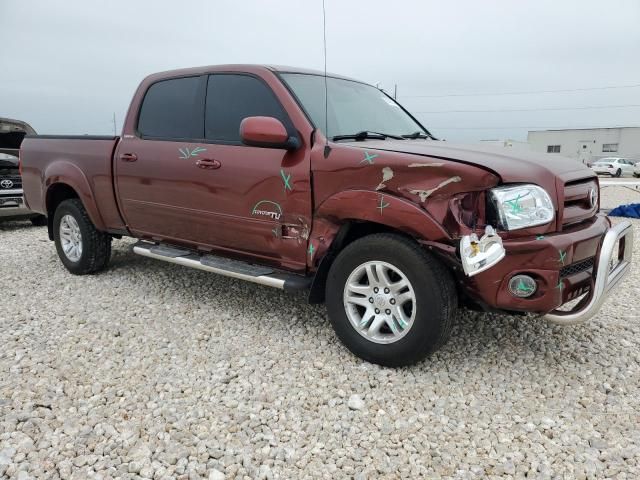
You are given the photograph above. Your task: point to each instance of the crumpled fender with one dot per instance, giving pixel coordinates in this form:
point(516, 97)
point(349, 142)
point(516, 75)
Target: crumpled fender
point(65, 172)
point(383, 208)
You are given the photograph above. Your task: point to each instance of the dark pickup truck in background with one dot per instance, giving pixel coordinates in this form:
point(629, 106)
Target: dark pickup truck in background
point(12, 207)
point(246, 171)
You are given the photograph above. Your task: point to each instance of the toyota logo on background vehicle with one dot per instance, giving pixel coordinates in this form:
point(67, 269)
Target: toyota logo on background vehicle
point(6, 184)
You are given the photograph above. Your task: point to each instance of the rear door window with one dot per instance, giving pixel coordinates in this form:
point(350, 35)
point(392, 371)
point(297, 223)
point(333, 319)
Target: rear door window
point(232, 98)
point(172, 109)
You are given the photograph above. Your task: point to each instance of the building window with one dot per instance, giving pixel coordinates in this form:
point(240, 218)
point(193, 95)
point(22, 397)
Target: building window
point(553, 148)
point(610, 147)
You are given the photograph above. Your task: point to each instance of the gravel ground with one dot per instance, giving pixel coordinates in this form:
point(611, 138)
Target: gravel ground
point(156, 371)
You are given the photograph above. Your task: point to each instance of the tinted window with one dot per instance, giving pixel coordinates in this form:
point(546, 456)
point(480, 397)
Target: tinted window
point(170, 109)
point(232, 98)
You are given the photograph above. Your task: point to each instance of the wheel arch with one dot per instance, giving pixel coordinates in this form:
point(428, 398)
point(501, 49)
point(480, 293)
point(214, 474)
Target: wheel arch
point(60, 191)
point(335, 226)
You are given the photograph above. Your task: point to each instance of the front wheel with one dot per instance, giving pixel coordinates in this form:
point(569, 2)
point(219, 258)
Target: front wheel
point(618, 173)
point(81, 248)
point(389, 301)
point(637, 175)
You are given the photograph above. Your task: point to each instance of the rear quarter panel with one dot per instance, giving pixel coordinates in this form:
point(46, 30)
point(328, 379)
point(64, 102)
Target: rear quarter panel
point(83, 163)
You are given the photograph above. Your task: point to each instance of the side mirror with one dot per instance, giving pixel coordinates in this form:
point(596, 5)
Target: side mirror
point(266, 132)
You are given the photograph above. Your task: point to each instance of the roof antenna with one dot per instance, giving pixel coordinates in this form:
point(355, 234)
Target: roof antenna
point(327, 148)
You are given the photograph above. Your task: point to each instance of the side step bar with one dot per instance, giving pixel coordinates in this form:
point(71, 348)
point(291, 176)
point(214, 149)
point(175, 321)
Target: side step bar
point(224, 266)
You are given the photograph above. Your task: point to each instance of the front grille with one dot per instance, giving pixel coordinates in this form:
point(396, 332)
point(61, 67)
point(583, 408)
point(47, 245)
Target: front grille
point(577, 205)
point(578, 267)
point(15, 180)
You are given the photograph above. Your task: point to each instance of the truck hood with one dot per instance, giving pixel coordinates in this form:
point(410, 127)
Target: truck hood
point(511, 165)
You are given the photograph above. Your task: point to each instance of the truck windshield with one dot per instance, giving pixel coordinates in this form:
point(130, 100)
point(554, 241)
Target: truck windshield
point(353, 107)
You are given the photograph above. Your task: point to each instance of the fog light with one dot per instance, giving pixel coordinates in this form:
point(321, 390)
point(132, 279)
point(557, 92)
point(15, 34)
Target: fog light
point(522, 286)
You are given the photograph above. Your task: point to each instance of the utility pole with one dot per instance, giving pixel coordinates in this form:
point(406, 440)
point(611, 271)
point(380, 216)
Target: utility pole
point(395, 91)
point(114, 124)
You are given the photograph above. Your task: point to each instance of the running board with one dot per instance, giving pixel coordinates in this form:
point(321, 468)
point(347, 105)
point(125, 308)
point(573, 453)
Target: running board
point(224, 266)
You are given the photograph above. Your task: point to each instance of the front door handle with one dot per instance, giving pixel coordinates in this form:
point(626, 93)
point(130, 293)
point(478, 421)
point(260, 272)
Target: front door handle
point(208, 163)
point(128, 157)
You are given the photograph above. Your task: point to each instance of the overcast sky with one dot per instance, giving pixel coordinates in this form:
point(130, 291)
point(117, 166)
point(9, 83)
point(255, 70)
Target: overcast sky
point(68, 65)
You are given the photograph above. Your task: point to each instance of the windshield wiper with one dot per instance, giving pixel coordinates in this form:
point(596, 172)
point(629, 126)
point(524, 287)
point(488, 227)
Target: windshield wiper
point(366, 134)
point(414, 135)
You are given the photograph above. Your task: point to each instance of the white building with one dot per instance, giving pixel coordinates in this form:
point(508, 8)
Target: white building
point(588, 144)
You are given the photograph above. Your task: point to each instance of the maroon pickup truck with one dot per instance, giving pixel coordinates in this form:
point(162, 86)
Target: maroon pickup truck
point(291, 179)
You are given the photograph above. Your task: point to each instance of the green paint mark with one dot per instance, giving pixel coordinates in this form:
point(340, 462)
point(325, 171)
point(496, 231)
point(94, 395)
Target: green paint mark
point(392, 326)
point(522, 287)
point(312, 249)
point(369, 157)
point(560, 286)
point(515, 204)
point(186, 152)
point(563, 255)
point(540, 237)
point(285, 179)
point(382, 205)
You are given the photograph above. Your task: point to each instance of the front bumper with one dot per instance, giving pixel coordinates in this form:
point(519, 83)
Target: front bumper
point(604, 278)
point(13, 206)
point(565, 266)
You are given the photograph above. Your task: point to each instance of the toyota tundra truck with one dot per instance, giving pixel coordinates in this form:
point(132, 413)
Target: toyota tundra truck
point(300, 180)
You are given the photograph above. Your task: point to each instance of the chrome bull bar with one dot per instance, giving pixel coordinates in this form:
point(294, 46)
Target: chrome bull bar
point(605, 279)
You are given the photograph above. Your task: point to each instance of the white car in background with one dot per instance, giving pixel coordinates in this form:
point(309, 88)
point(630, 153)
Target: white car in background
point(636, 170)
point(614, 166)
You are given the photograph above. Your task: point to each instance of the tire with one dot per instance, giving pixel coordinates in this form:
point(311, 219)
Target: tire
point(95, 250)
point(39, 221)
point(636, 175)
point(433, 309)
point(618, 173)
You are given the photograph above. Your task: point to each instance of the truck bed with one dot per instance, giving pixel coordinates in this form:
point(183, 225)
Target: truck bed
point(83, 162)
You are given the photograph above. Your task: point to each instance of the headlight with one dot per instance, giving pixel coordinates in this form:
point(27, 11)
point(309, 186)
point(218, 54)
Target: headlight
point(521, 206)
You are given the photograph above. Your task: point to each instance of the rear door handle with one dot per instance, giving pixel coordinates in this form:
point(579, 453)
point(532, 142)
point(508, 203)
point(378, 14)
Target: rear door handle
point(128, 157)
point(208, 163)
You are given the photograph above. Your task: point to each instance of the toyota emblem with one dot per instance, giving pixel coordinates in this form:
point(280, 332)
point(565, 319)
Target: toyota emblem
point(6, 183)
point(593, 197)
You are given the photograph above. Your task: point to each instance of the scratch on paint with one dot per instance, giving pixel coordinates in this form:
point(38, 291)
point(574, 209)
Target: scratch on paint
point(560, 286)
point(382, 205)
point(424, 194)
point(418, 165)
point(369, 157)
point(276, 232)
point(387, 174)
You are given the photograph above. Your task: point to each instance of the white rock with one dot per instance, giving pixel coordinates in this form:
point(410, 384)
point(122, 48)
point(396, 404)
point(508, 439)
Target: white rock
point(355, 402)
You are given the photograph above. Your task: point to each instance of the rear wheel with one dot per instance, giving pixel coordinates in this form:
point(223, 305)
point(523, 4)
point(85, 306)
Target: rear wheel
point(390, 302)
point(81, 248)
point(618, 173)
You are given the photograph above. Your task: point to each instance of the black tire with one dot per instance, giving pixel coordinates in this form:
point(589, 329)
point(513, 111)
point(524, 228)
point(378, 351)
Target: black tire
point(637, 175)
point(618, 173)
point(435, 293)
point(39, 221)
point(96, 245)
